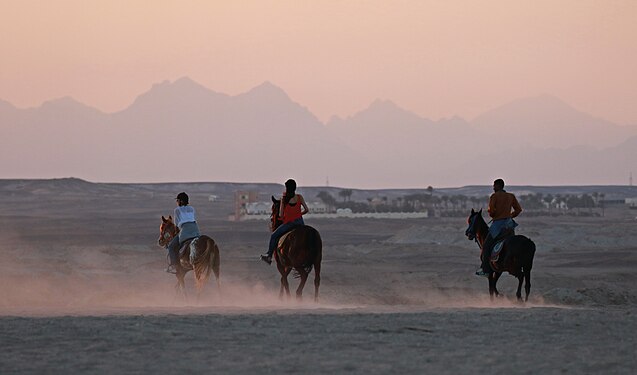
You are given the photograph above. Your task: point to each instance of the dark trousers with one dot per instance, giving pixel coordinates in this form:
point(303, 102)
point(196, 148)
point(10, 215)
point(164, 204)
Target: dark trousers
point(487, 248)
point(173, 250)
point(280, 231)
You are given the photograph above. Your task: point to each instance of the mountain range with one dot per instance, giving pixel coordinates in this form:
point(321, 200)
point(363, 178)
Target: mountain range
point(183, 131)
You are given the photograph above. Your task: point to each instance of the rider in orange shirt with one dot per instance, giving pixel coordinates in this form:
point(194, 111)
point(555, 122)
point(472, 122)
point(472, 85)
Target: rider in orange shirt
point(503, 207)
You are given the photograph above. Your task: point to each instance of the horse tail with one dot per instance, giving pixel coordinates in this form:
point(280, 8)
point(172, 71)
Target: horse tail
point(315, 248)
point(531, 255)
point(206, 261)
point(526, 268)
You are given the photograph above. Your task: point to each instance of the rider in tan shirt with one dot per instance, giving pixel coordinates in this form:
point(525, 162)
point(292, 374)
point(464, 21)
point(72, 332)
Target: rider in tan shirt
point(503, 207)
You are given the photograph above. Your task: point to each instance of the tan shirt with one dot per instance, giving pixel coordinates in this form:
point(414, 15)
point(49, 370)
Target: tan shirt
point(500, 205)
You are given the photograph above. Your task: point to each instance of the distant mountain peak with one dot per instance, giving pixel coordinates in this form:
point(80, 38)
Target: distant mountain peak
point(66, 103)
point(384, 104)
point(545, 103)
point(267, 89)
point(383, 109)
point(547, 121)
point(6, 105)
point(182, 90)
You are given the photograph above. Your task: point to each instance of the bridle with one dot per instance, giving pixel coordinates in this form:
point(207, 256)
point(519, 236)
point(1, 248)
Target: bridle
point(167, 231)
point(471, 232)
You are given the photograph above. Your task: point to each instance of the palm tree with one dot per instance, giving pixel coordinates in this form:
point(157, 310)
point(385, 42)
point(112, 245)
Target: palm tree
point(549, 201)
point(327, 198)
point(345, 194)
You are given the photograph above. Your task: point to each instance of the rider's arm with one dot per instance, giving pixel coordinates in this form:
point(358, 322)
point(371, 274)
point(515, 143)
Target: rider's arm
point(304, 209)
point(516, 207)
point(491, 208)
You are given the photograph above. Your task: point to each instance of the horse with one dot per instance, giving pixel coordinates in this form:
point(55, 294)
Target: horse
point(516, 256)
point(299, 249)
point(201, 255)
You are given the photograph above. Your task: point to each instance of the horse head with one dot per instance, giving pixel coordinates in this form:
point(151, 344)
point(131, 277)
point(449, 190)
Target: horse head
point(275, 219)
point(474, 218)
point(167, 231)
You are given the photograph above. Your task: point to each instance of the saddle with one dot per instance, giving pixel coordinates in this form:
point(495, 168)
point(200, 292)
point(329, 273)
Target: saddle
point(283, 237)
point(188, 247)
point(501, 239)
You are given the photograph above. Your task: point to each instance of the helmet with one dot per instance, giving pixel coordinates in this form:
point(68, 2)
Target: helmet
point(183, 197)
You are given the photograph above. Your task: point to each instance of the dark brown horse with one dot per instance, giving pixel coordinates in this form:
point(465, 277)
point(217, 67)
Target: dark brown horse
point(516, 256)
point(300, 249)
point(201, 256)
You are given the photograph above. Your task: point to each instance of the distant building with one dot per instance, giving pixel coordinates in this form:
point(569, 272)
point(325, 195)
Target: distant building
point(241, 201)
point(318, 207)
point(258, 208)
point(631, 202)
point(265, 208)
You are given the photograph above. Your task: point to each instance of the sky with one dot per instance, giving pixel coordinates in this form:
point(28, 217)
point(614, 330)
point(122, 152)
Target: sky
point(435, 58)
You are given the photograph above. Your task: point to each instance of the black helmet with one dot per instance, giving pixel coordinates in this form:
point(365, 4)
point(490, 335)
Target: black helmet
point(183, 197)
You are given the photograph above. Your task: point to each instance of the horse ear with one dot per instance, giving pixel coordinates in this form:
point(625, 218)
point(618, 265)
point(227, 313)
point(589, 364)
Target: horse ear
point(472, 211)
point(163, 218)
point(274, 199)
point(480, 211)
point(170, 218)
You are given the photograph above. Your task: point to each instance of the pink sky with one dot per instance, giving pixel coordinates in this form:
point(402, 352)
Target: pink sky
point(435, 58)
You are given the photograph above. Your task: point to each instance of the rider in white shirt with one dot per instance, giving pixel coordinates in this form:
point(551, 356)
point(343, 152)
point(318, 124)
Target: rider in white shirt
point(186, 222)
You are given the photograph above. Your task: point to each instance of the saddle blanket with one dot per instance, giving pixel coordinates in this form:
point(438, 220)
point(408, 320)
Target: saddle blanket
point(495, 253)
point(191, 242)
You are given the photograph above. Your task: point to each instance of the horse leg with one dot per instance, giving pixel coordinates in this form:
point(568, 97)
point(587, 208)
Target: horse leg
point(491, 285)
point(527, 284)
point(299, 290)
point(287, 285)
point(495, 283)
point(284, 283)
point(518, 293)
point(180, 287)
point(317, 279)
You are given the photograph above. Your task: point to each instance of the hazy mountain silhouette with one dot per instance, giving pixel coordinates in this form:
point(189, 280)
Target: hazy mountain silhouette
point(546, 121)
point(404, 145)
point(175, 131)
point(183, 131)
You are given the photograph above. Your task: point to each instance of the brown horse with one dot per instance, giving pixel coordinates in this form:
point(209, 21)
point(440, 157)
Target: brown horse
point(516, 256)
point(201, 255)
point(300, 249)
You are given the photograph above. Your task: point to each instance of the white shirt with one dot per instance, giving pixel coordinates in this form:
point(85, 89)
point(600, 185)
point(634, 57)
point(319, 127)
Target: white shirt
point(184, 214)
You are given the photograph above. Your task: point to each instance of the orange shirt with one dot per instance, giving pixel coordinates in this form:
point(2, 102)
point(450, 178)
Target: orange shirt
point(500, 205)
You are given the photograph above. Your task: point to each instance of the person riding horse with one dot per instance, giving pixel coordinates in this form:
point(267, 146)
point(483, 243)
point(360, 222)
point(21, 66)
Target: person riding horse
point(292, 209)
point(188, 229)
point(503, 207)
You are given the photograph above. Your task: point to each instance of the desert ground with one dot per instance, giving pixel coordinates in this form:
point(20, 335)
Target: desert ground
point(83, 290)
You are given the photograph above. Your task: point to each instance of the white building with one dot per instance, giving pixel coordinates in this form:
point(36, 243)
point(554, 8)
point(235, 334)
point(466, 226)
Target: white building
point(258, 208)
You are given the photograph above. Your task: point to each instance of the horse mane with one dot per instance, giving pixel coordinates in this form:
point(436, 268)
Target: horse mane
point(275, 219)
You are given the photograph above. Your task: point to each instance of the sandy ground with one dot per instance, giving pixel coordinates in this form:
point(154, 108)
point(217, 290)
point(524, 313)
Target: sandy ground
point(83, 290)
